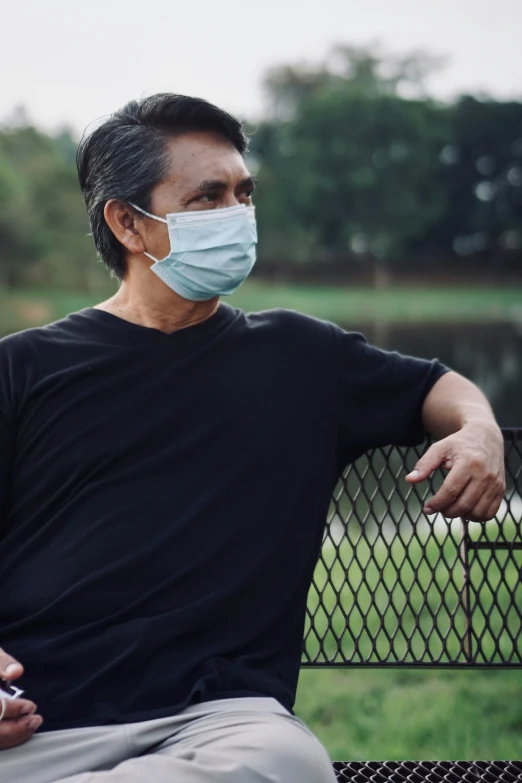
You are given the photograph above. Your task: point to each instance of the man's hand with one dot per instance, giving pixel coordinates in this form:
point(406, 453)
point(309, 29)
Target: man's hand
point(475, 484)
point(19, 722)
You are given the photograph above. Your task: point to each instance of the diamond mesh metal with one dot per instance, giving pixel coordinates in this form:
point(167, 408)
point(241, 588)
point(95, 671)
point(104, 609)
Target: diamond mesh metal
point(394, 587)
point(429, 771)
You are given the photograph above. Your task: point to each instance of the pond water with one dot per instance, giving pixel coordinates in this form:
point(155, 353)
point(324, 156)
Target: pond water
point(488, 354)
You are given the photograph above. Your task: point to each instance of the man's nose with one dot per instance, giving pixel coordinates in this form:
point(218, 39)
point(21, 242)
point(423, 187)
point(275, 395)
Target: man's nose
point(231, 200)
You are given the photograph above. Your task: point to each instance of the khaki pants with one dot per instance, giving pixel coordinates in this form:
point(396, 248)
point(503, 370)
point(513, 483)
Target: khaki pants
point(247, 740)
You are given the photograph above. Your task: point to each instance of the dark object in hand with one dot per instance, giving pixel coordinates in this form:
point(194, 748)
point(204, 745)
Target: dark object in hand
point(8, 691)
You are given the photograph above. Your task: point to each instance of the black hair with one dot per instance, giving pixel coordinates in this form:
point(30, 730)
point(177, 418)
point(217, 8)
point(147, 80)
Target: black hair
point(126, 156)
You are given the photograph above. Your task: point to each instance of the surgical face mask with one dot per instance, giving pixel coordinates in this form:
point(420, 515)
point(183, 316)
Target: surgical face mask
point(211, 251)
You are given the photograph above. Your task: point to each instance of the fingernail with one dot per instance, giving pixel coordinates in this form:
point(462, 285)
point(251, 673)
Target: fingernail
point(35, 723)
point(28, 710)
point(428, 510)
point(12, 669)
point(413, 474)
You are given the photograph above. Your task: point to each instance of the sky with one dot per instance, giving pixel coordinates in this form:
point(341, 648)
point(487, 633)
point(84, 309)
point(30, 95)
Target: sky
point(71, 62)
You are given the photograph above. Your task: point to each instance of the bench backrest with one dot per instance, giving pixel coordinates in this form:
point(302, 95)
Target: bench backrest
point(393, 587)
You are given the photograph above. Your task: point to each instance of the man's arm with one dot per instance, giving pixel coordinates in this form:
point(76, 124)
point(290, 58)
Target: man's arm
point(471, 449)
point(19, 721)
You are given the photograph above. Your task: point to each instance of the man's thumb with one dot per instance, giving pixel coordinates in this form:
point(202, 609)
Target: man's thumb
point(10, 669)
point(433, 458)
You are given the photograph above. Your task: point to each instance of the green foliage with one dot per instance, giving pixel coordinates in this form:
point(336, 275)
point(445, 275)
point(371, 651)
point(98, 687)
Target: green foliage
point(43, 224)
point(19, 230)
point(369, 70)
point(481, 175)
point(355, 163)
point(350, 173)
point(349, 166)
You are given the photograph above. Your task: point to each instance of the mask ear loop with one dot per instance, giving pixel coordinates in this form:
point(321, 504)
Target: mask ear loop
point(154, 217)
point(149, 214)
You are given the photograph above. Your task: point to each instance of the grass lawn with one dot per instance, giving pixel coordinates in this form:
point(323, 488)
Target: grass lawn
point(27, 307)
point(400, 305)
point(362, 714)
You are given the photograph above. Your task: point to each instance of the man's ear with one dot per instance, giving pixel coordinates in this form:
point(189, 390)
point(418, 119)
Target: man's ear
point(124, 224)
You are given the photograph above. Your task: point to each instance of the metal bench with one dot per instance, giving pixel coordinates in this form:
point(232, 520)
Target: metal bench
point(392, 588)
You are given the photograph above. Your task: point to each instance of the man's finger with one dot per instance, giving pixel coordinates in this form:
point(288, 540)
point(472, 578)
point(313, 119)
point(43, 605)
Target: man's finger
point(435, 457)
point(469, 500)
point(453, 486)
point(10, 668)
point(18, 708)
point(494, 507)
point(485, 509)
point(14, 732)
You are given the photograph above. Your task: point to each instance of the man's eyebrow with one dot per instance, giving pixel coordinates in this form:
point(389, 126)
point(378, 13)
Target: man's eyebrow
point(218, 184)
point(211, 184)
point(248, 182)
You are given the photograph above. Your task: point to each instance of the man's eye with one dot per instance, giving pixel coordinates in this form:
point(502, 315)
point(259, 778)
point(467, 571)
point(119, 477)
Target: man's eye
point(207, 198)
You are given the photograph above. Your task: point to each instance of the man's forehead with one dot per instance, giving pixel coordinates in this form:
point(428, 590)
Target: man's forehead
point(202, 155)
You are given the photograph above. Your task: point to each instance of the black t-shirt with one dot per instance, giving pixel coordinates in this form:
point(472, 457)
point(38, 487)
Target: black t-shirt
point(163, 499)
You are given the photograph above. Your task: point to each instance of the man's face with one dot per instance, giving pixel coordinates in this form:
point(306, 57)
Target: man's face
point(207, 172)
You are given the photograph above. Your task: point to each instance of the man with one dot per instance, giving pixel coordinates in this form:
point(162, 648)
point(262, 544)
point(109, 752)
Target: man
point(166, 464)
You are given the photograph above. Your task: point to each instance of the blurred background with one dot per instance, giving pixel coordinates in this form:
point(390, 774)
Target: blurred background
point(387, 143)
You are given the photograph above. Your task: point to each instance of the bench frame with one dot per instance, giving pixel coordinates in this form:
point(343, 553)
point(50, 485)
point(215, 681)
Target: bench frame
point(392, 589)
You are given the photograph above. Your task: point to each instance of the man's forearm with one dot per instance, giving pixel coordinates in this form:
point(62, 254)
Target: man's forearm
point(453, 403)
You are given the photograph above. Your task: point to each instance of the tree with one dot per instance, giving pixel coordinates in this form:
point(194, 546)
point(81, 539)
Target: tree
point(351, 168)
point(20, 240)
point(43, 223)
point(367, 68)
point(481, 173)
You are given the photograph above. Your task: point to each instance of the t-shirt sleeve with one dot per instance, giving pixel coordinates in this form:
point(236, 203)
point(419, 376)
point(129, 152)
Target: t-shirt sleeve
point(381, 395)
